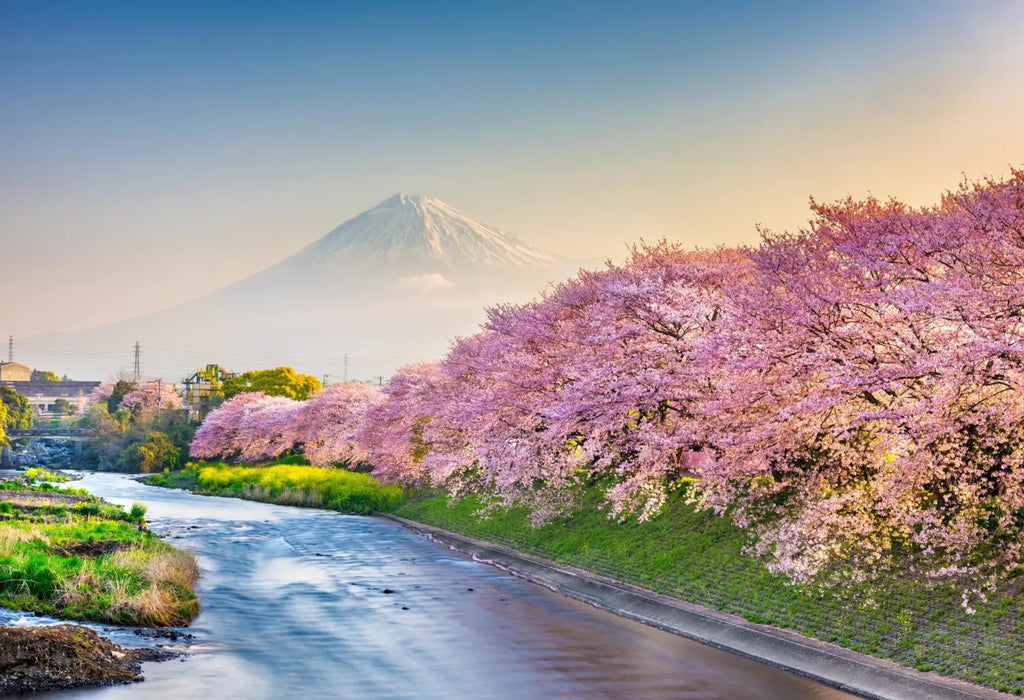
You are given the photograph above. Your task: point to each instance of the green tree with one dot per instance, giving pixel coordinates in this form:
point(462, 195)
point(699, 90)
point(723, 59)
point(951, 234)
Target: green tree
point(153, 454)
point(122, 445)
point(121, 389)
point(19, 412)
point(44, 375)
point(281, 381)
point(63, 406)
point(101, 422)
point(4, 440)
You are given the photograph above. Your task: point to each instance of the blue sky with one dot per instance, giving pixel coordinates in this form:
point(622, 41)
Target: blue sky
point(193, 145)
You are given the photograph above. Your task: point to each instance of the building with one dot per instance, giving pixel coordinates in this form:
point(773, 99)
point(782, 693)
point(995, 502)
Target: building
point(14, 372)
point(42, 396)
point(202, 393)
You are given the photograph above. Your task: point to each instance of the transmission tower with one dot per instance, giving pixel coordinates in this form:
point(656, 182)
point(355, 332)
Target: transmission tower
point(344, 376)
point(10, 348)
point(138, 361)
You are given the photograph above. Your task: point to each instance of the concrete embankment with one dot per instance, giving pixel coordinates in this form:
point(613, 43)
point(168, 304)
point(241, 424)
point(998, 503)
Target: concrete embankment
point(841, 668)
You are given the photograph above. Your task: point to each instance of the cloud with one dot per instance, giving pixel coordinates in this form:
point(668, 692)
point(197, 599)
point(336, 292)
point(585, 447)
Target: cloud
point(426, 283)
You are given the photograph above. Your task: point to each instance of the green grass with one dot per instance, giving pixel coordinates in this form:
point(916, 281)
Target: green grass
point(182, 479)
point(699, 557)
point(287, 484)
point(37, 488)
point(93, 562)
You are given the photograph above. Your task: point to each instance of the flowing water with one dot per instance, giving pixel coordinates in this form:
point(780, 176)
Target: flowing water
point(300, 603)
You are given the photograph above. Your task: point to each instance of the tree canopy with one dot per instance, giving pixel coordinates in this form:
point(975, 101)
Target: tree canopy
point(19, 412)
point(280, 381)
point(254, 427)
point(44, 375)
point(852, 393)
point(141, 399)
point(64, 407)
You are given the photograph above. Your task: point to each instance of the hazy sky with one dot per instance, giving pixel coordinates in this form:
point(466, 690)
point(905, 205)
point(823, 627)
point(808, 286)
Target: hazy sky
point(154, 151)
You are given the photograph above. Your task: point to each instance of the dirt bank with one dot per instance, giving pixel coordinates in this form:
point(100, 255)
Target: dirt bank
point(34, 659)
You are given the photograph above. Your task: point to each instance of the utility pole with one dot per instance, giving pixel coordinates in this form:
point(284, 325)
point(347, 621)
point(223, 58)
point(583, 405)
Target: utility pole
point(324, 382)
point(380, 379)
point(159, 391)
point(345, 373)
point(138, 364)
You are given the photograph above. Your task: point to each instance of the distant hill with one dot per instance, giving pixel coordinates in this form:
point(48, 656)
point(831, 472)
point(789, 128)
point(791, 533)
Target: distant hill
point(392, 285)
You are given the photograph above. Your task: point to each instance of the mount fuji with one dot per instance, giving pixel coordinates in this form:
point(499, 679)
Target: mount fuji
point(408, 242)
point(416, 233)
point(393, 285)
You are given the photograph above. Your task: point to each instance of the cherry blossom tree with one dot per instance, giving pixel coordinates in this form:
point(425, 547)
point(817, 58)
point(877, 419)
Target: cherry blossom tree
point(403, 436)
point(101, 393)
point(142, 398)
point(255, 427)
point(326, 425)
point(149, 396)
point(851, 392)
point(251, 426)
point(590, 379)
point(874, 398)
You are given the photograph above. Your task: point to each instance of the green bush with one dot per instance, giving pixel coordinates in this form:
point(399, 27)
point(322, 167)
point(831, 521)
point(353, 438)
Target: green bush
point(39, 474)
point(138, 512)
point(293, 484)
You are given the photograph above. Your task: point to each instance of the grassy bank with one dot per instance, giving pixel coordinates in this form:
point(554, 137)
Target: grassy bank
point(74, 556)
point(699, 557)
point(286, 484)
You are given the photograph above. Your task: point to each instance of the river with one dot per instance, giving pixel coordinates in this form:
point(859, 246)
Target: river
point(301, 603)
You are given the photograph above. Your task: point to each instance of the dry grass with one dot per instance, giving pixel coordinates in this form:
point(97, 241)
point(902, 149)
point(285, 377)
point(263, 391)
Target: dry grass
point(174, 567)
point(154, 606)
point(167, 572)
point(76, 590)
point(10, 535)
point(138, 586)
point(300, 497)
point(133, 558)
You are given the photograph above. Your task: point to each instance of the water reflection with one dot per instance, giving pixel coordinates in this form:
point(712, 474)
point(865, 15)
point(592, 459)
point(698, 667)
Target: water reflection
point(312, 604)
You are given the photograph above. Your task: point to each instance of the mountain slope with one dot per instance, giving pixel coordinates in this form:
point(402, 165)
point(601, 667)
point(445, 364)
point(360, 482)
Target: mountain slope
point(390, 286)
point(414, 231)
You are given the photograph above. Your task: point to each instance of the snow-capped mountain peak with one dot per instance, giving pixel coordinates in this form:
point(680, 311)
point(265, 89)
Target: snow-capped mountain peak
point(415, 230)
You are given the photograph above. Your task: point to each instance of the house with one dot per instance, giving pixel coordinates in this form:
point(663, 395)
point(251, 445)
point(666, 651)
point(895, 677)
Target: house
point(14, 372)
point(42, 396)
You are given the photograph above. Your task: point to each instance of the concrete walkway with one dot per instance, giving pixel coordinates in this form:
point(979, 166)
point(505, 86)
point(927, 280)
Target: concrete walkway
point(841, 668)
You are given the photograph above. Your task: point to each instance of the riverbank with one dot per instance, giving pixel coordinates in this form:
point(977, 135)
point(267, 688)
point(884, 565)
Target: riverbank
point(699, 558)
point(68, 554)
point(696, 557)
point(285, 484)
point(840, 668)
point(71, 555)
